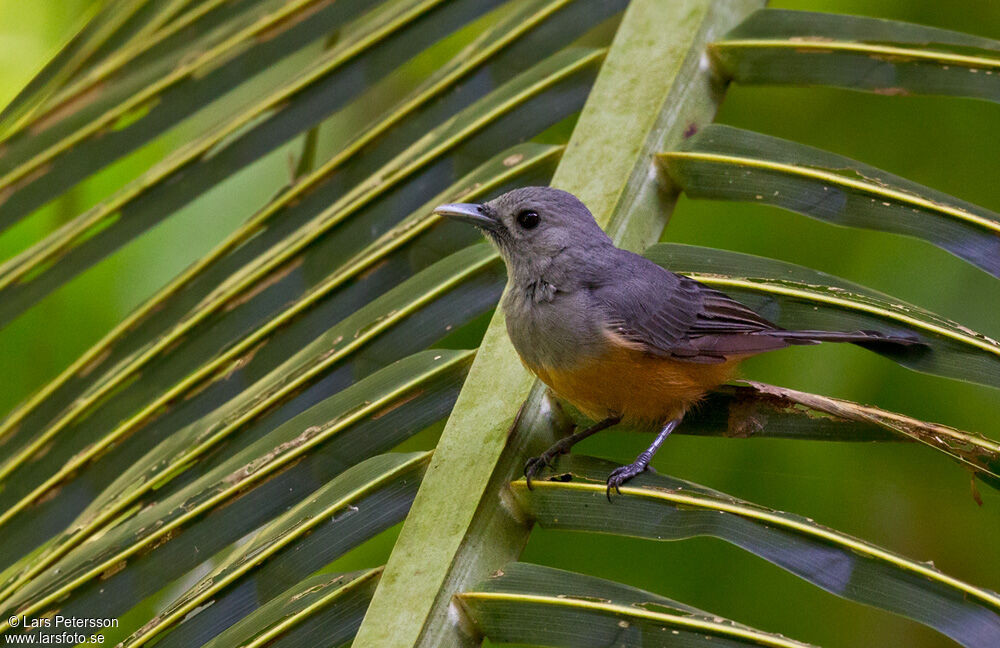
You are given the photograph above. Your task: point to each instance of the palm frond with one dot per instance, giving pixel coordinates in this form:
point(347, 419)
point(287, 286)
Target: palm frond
point(884, 56)
point(724, 163)
point(665, 508)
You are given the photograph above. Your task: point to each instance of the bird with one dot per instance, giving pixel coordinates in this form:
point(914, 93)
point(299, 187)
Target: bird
point(617, 336)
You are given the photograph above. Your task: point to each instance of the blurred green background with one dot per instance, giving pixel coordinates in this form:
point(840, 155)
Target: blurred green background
point(903, 497)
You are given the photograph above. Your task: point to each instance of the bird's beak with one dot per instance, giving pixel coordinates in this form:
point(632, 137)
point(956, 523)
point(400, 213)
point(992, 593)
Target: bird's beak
point(469, 213)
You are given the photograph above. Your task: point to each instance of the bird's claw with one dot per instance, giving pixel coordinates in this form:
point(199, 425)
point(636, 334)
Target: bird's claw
point(535, 465)
point(622, 474)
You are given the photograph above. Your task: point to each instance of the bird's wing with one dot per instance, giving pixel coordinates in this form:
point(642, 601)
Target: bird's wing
point(670, 315)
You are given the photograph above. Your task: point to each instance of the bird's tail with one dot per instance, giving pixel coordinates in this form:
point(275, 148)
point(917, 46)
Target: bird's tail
point(872, 340)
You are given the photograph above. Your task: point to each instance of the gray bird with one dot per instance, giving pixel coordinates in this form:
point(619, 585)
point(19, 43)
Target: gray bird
point(611, 332)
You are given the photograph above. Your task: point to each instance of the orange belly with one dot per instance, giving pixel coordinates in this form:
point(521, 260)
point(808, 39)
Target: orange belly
point(641, 388)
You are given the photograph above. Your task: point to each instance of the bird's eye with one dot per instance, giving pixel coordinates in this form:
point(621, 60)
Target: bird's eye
point(528, 219)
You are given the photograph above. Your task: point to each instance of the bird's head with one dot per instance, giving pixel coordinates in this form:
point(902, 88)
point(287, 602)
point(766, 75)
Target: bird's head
point(532, 225)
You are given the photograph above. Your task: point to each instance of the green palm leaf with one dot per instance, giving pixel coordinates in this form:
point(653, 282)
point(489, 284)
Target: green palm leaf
point(113, 27)
point(883, 56)
point(725, 163)
point(365, 499)
point(321, 610)
point(581, 611)
point(51, 155)
point(347, 427)
point(154, 38)
point(664, 508)
point(459, 287)
point(362, 501)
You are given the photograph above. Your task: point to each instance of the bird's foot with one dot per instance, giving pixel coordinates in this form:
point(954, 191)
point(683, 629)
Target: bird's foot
point(622, 474)
point(535, 465)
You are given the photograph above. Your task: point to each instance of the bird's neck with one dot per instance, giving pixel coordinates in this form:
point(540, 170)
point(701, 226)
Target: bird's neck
point(537, 280)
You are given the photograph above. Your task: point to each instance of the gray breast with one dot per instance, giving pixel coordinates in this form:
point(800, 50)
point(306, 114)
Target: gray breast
point(552, 328)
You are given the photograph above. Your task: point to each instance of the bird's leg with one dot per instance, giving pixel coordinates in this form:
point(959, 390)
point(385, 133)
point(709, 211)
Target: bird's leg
point(621, 475)
point(562, 446)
